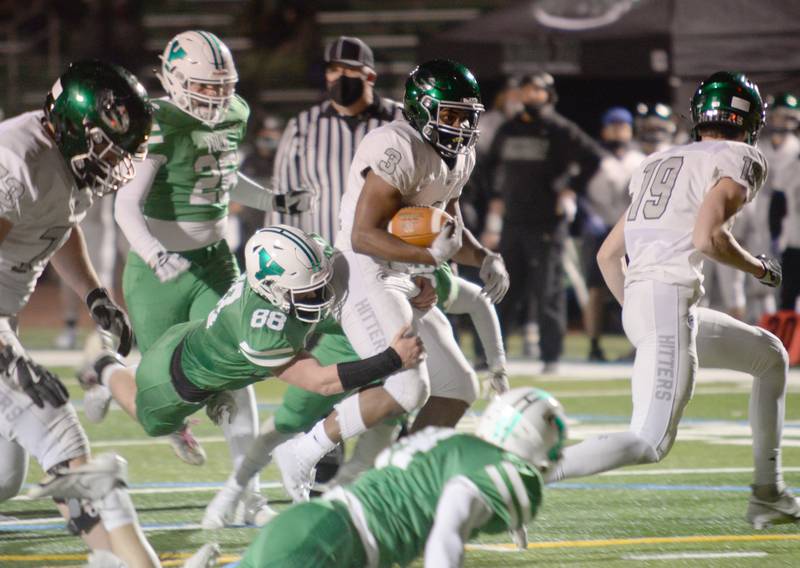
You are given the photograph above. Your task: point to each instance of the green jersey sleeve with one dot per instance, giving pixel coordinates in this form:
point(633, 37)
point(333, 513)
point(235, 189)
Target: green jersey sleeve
point(512, 489)
point(263, 341)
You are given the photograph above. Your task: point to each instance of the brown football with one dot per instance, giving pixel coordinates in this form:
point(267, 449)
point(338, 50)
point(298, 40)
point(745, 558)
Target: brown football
point(419, 225)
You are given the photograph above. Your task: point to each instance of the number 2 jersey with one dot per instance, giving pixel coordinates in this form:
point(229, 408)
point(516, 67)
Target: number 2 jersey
point(396, 502)
point(40, 197)
point(187, 204)
point(666, 193)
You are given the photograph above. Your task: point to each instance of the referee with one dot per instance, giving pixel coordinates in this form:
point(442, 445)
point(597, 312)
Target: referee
point(318, 144)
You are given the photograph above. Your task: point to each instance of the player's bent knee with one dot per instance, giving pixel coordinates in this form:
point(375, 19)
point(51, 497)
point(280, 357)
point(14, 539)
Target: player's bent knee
point(772, 355)
point(409, 390)
point(288, 422)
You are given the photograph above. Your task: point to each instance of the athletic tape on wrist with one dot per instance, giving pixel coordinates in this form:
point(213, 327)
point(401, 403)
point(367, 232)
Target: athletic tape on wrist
point(349, 417)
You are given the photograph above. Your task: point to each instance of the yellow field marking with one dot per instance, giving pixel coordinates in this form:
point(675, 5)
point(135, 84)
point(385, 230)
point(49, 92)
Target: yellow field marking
point(177, 558)
point(645, 540)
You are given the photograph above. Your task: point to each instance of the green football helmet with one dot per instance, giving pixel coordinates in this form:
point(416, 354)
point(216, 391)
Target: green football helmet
point(100, 118)
point(729, 98)
point(442, 85)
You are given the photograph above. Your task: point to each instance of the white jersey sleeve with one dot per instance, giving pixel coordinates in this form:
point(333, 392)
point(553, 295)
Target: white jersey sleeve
point(742, 163)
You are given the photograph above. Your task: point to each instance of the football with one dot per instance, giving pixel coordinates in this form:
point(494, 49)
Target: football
point(419, 225)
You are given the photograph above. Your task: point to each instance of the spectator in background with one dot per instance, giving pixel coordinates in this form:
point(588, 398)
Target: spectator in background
point(781, 148)
point(607, 198)
point(506, 105)
point(536, 162)
point(655, 128)
point(318, 144)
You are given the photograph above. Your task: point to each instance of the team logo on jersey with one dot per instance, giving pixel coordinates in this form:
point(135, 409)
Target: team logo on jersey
point(113, 113)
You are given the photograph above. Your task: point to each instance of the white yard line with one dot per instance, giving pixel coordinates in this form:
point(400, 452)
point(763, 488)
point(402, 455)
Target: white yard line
point(683, 555)
point(688, 471)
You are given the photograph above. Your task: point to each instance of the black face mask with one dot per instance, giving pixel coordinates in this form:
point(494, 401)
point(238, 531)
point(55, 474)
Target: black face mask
point(346, 90)
point(614, 145)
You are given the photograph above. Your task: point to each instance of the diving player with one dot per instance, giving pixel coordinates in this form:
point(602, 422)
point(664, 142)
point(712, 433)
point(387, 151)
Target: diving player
point(423, 160)
point(431, 491)
point(52, 165)
point(683, 204)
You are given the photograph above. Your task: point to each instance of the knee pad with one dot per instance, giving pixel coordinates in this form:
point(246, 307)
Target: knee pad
point(410, 389)
point(83, 516)
point(774, 354)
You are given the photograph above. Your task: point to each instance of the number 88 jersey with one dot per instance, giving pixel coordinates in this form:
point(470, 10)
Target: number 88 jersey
point(666, 193)
point(199, 162)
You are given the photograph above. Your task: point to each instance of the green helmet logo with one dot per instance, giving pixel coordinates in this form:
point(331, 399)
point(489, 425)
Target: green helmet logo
point(443, 102)
point(100, 118)
point(732, 99)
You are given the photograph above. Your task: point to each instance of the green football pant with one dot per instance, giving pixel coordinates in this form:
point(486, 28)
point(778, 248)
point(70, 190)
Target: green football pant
point(159, 408)
point(301, 409)
point(154, 306)
point(314, 534)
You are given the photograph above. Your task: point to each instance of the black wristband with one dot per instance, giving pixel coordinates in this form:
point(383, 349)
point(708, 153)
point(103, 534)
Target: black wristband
point(357, 374)
point(95, 295)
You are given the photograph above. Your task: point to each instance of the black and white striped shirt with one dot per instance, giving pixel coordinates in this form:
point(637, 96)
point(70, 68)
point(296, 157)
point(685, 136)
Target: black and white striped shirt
point(315, 152)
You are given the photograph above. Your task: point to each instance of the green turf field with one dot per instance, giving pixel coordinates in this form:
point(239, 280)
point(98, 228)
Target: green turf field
point(686, 511)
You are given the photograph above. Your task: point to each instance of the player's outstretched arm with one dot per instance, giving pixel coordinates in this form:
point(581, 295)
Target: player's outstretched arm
point(460, 510)
point(711, 235)
point(252, 194)
point(405, 351)
point(609, 259)
point(377, 204)
point(72, 263)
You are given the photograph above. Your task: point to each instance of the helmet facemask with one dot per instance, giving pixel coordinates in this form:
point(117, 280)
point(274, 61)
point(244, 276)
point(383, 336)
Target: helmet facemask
point(448, 139)
point(105, 166)
point(315, 303)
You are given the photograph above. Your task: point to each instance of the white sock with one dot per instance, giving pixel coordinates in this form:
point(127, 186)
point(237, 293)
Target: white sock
point(348, 415)
point(241, 429)
point(107, 371)
point(116, 509)
point(767, 408)
point(316, 443)
point(260, 453)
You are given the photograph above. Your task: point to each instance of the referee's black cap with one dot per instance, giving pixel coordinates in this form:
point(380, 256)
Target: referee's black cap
point(350, 51)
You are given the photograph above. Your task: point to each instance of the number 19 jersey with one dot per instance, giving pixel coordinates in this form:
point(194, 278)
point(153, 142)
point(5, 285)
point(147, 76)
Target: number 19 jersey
point(666, 193)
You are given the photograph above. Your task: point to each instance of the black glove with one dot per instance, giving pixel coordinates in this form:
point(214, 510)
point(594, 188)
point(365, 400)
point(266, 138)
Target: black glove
point(110, 318)
point(293, 202)
point(773, 272)
point(37, 382)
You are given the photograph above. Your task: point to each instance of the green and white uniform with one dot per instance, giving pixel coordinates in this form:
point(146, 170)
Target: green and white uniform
point(180, 204)
point(301, 409)
point(392, 509)
point(240, 342)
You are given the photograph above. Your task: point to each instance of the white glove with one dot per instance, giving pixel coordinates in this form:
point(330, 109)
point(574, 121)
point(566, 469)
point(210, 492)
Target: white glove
point(447, 243)
point(495, 277)
point(498, 381)
point(168, 265)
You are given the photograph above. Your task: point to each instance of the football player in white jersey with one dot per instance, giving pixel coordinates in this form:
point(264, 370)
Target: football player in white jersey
point(683, 204)
point(423, 160)
point(52, 163)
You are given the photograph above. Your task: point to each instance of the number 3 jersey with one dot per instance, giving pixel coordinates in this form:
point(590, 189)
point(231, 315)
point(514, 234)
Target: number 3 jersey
point(198, 166)
point(402, 158)
point(397, 501)
point(666, 193)
point(40, 197)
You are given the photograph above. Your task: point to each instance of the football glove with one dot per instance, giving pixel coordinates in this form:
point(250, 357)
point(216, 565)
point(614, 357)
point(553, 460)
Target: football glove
point(221, 408)
point(447, 243)
point(293, 202)
point(110, 317)
point(498, 381)
point(168, 266)
point(773, 272)
point(38, 383)
point(495, 277)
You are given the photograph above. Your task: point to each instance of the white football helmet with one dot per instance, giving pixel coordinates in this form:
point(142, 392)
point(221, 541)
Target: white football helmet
point(289, 269)
point(527, 422)
point(198, 73)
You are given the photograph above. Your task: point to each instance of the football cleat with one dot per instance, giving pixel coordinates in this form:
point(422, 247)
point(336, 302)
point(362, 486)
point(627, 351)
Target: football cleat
point(257, 511)
point(763, 514)
point(297, 476)
point(92, 480)
point(220, 511)
point(186, 446)
point(206, 557)
point(97, 397)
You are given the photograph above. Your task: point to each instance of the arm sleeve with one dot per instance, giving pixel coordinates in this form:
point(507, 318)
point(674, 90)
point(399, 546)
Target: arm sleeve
point(252, 194)
point(513, 491)
point(469, 300)
point(128, 209)
point(460, 511)
point(743, 164)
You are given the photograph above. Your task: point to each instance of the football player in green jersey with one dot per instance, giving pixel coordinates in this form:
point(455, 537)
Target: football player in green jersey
point(257, 330)
point(430, 492)
point(301, 409)
point(175, 211)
